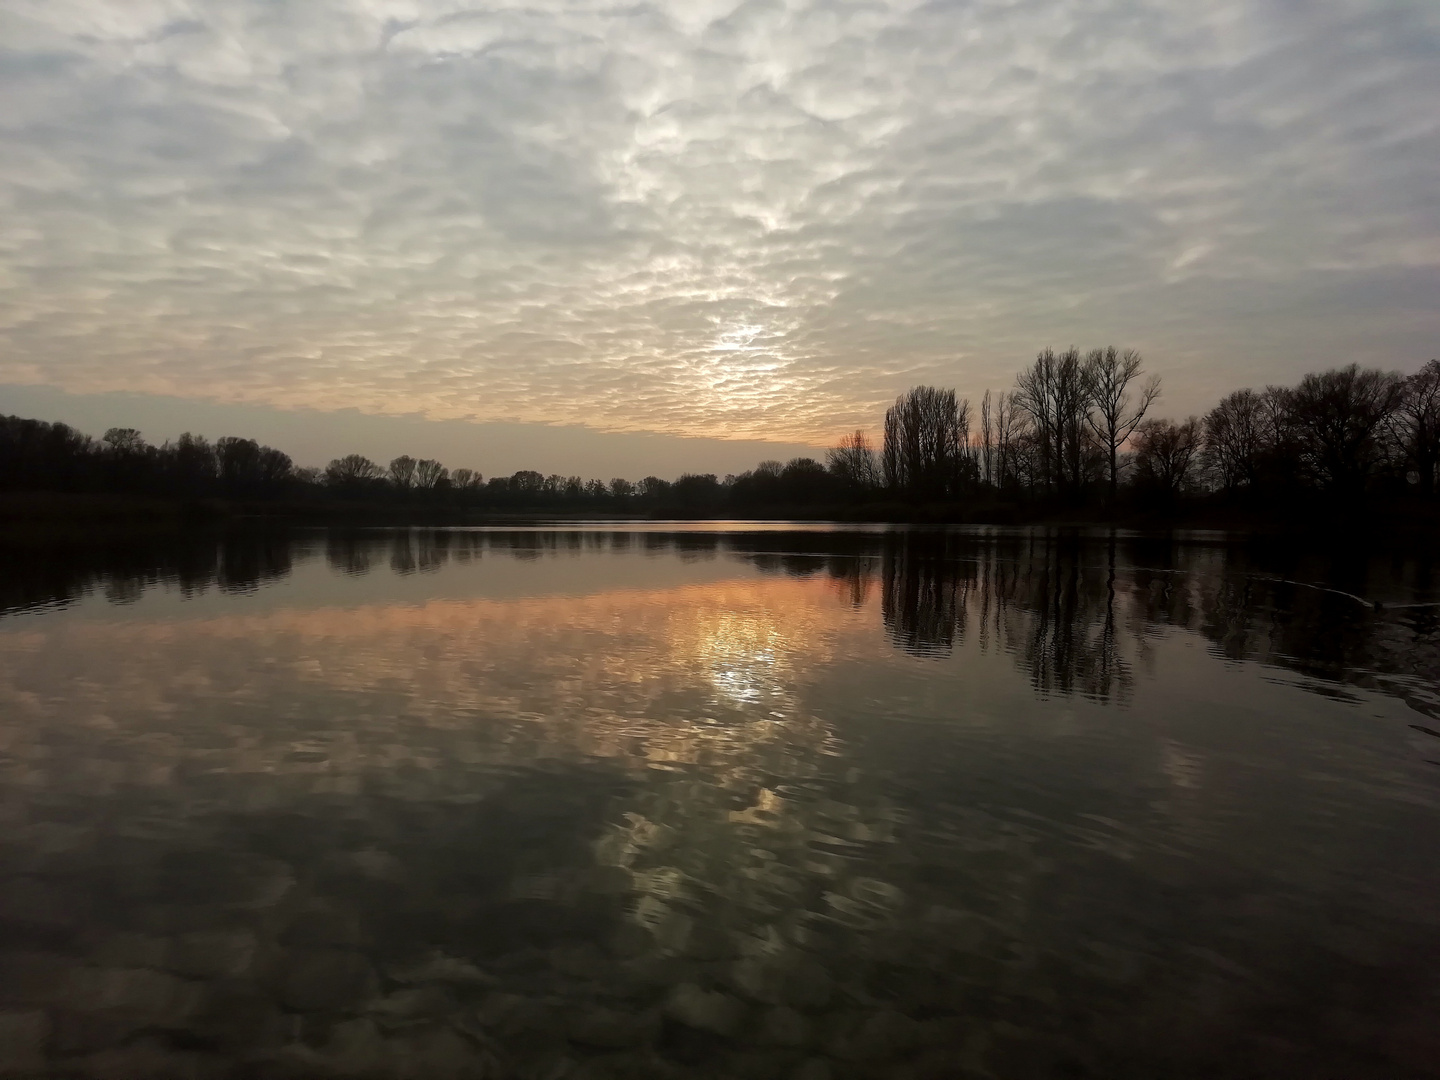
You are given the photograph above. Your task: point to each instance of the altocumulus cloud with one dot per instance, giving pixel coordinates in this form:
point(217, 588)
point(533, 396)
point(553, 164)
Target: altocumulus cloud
point(704, 217)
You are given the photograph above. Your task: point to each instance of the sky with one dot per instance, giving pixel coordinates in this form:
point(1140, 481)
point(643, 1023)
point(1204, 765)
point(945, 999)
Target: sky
point(646, 237)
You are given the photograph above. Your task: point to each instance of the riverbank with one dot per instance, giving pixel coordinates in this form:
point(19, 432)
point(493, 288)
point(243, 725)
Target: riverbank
point(83, 515)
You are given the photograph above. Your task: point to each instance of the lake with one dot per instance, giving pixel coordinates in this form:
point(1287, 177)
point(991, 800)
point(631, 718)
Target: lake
point(697, 800)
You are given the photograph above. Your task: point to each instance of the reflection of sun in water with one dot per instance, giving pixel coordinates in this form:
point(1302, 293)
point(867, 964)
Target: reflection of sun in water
point(744, 655)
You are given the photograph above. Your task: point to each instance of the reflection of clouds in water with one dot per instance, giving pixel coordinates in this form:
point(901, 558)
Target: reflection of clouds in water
point(678, 676)
point(701, 787)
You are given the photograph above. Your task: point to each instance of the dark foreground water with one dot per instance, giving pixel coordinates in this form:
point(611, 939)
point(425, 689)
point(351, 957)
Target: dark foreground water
point(795, 804)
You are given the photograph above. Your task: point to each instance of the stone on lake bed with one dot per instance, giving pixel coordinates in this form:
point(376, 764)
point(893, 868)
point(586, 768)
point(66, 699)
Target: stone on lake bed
point(22, 1041)
point(786, 979)
point(411, 1004)
point(150, 1059)
point(705, 1010)
point(612, 1029)
point(580, 961)
point(814, 1069)
point(151, 996)
point(783, 1026)
point(441, 1054)
point(133, 950)
point(441, 969)
point(332, 980)
point(882, 1036)
point(35, 978)
point(218, 954)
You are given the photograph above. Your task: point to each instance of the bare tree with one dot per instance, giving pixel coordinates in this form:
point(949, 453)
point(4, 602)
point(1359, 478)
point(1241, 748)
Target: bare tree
point(1055, 394)
point(1116, 415)
point(1166, 454)
point(239, 461)
point(1009, 427)
point(351, 469)
point(853, 461)
point(429, 474)
point(1420, 421)
point(987, 442)
point(125, 440)
point(275, 466)
point(402, 472)
point(1235, 439)
point(926, 431)
point(1340, 416)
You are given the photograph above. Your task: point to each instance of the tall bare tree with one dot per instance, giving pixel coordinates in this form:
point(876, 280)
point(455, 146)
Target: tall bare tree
point(926, 433)
point(1235, 439)
point(402, 472)
point(351, 469)
point(1055, 394)
point(429, 473)
point(1340, 416)
point(987, 442)
point(1009, 427)
point(1116, 413)
point(853, 461)
point(1420, 421)
point(1166, 453)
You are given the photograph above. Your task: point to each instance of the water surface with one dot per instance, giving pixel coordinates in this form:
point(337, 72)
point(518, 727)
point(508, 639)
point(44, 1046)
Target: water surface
point(689, 801)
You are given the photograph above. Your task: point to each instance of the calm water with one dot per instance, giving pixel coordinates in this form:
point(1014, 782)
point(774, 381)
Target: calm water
point(765, 803)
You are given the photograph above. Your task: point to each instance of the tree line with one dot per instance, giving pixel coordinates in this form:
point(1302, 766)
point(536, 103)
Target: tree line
point(1075, 430)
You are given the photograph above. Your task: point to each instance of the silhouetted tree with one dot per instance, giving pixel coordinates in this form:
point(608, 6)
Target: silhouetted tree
point(1235, 440)
point(192, 462)
point(466, 480)
point(1055, 394)
point(852, 462)
point(238, 461)
point(1340, 416)
point(351, 470)
point(402, 472)
point(1108, 374)
point(926, 432)
point(696, 493)
point(1166, 454)
point(1420, 426)
point(124, 440)
point(430, 474)
point(652, 488)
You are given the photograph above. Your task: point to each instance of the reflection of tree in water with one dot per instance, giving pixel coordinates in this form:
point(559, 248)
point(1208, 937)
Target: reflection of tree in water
point(1076, 612)
point(924, 594)
point(1049, 603)
point(58, 574)
point(349, 552)
point(1058, 613)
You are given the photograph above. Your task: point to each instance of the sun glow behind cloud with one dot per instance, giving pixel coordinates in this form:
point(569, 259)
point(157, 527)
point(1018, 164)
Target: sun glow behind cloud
point(746, 219)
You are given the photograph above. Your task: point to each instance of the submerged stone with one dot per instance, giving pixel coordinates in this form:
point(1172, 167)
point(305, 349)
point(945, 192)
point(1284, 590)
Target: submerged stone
point(787, 979)
point(22, 1040)
point(213, 954)
point(783, 1026)
point(705, 1010)
point(612, 1029)
point(442, 969)
point(333, 980)
point(150, 996)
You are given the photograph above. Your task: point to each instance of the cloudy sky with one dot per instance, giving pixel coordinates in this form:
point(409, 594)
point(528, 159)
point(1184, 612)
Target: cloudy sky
point(694, 219)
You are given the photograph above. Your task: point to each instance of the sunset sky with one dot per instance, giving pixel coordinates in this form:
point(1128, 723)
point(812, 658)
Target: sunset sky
point(382, 225)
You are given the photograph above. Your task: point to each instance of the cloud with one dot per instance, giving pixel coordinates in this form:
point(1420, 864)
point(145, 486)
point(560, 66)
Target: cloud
point(757, 219)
